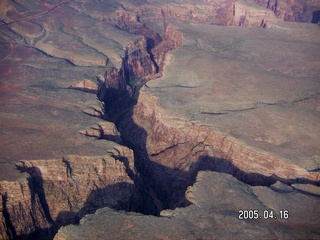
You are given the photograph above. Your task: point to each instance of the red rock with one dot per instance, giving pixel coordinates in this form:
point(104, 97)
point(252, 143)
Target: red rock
point(171, 151)
point(292, 10)
point(60, 191)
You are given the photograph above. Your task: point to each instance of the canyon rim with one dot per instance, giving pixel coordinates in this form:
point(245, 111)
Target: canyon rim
point(160, 119)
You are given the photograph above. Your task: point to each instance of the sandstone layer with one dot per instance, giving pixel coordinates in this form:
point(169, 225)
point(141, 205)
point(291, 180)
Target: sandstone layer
point(293, 10)
point(233, 100)
point(60, 191)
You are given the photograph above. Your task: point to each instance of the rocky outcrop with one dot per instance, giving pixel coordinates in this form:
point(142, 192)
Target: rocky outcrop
point(22, 209)
point(121, 83)
point(293, 10)
point(172, 40)
point(85, 85)
point(104, 130)
point(3, 226)
point(248, 15)
point(61, 191)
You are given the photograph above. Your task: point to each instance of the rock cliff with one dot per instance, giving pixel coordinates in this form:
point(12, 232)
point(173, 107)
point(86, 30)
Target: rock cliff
point(160, 156)
point(174, 150)
point(293, 10)
point(248, 15)
point(210, 217)
point(60, 191)
point(141, 63)
point(22, 209)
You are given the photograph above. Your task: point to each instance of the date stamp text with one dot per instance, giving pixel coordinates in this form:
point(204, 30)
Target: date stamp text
point(266, 214)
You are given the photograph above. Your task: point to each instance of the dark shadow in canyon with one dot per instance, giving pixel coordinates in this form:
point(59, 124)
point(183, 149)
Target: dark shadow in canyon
point(315, 17)
point(37, 190)
point(163, 187)
point(38, 200)
point(150, 46)
point(11, 232)
point(315, 170)
point(167, 186)
point(156, 187)
point(119, 106)
point(39, 234)
point(120, 196)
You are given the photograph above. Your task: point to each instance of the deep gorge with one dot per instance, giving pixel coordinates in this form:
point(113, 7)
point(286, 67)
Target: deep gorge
point(166, 180)
point(158, 157)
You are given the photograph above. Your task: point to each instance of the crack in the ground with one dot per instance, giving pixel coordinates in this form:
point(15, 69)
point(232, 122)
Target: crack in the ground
point(258, 105)
point(167, 188)
point(164, 150)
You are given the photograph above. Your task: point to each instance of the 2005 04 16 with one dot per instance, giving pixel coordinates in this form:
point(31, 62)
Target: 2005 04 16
point(266, 214)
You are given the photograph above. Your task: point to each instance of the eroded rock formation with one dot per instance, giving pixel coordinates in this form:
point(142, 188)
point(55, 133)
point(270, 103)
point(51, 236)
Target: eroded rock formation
point(22, 209)
point(60, 191)
point(245, 14)
point(174, 150)
point(293, 10)
point(217, 199)
point(142, 62)
point(167, 153)
point(85, 85)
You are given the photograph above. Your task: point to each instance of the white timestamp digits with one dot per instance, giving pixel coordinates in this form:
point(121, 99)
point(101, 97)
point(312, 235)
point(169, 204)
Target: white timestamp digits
point(267, 214)
point(284, 214)
point(248, 214)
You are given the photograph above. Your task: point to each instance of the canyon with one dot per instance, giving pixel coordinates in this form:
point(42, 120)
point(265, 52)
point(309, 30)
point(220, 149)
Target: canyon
point(150, 119)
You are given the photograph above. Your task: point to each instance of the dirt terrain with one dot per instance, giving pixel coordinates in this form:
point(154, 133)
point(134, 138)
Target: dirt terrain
point(159, 119)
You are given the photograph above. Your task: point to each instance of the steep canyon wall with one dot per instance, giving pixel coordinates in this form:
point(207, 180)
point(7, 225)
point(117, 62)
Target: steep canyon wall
point(163, 154)
point(60, 191)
